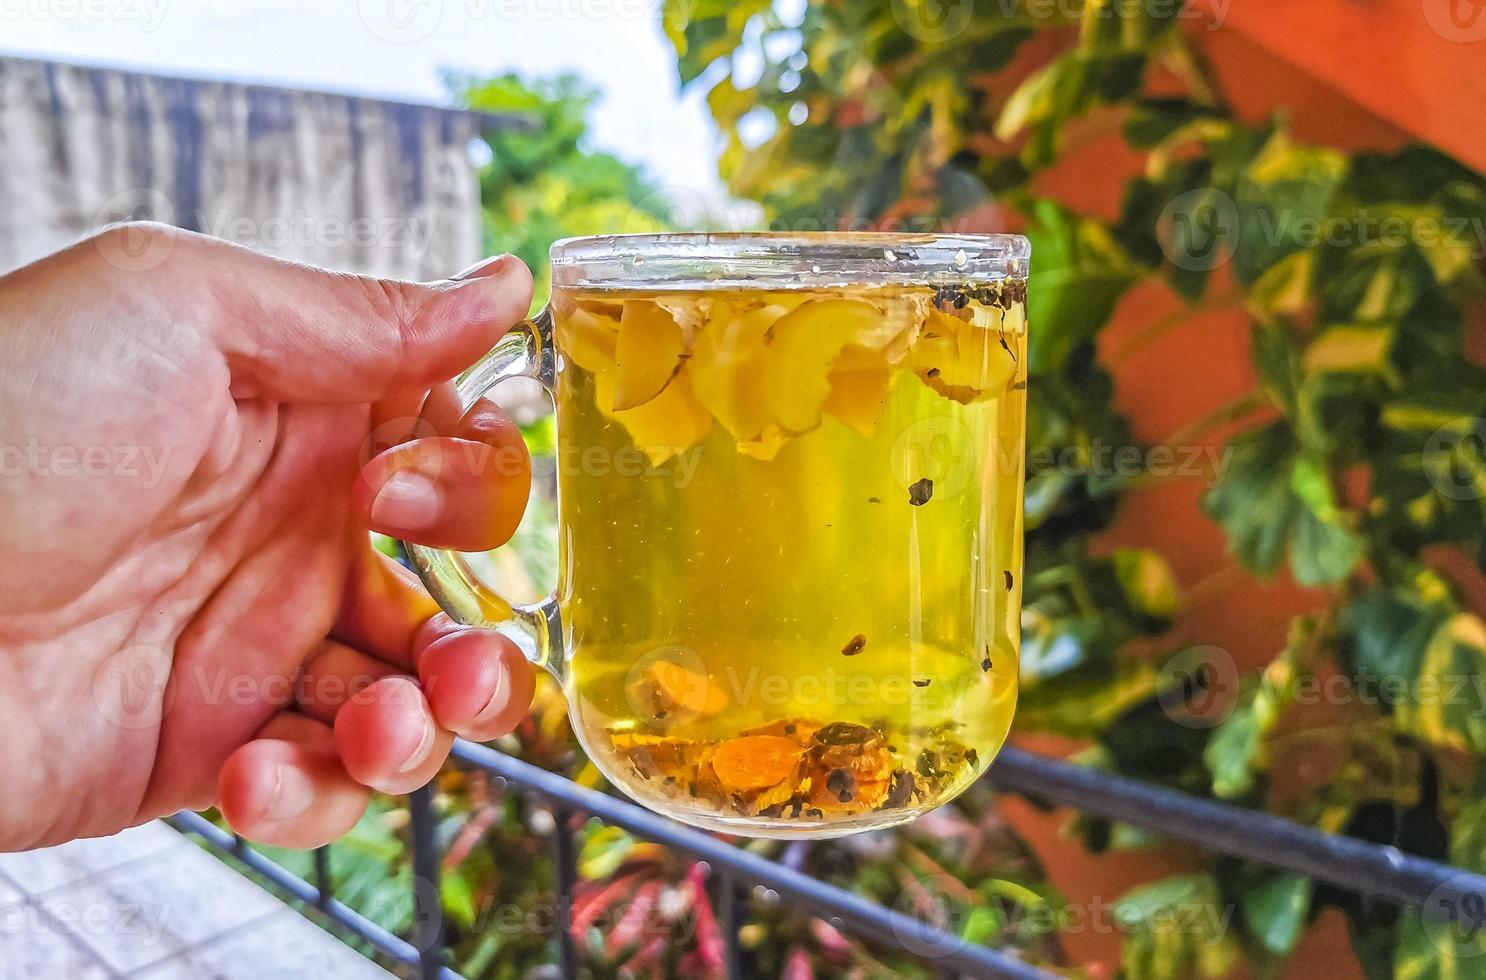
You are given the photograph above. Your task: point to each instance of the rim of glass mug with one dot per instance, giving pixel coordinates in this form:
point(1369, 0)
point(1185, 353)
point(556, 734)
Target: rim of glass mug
point(758, 260)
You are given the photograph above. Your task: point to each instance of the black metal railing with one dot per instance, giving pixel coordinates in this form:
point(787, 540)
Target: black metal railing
point(1369, 869)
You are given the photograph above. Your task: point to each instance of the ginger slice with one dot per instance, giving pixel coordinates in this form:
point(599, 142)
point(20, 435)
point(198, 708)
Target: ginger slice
point(587, 338)
point(647, 354)
point(658, 756)
point(803, 344)
point(727, 366)
point(961, 361)
point(859, 382)
point(755, 762)
point(687, 689)
point(670, 423)
point(849, 767)
point(671, 693)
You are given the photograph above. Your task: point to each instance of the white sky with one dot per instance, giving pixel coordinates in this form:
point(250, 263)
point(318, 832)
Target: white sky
point(396, 49)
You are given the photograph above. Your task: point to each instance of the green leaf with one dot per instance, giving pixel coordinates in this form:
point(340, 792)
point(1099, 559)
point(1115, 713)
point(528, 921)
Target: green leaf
point(1176, 929)
point(1150, 588)
point(1284, 287)
point(1277, 361)
point(1447, 707)
point(1275, 909)
point(603, 851)
point(1423, 657)
point(1236, 747)
point(1081, 275)
point(457, 895)
point(1273, 499)
point(1322, 551)
point(1155, 120)
point(1081, 703)
point(1286, 190)
point(1382, 636)
point(1438, 950)
point(1468, 836)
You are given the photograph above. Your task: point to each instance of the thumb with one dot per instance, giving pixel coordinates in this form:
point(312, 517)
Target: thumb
point(295, 333)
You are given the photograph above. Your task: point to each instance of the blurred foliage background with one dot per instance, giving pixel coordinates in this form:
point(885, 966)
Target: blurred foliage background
point(1355, 467)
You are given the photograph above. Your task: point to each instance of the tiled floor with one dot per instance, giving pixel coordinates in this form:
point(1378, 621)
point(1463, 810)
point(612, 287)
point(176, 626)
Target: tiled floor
point(151, 904)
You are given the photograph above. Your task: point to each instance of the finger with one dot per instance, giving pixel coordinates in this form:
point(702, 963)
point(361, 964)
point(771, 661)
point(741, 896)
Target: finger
point(387, 736)
point(478, 683)
point(288, 788)
point(382, 609)
point(466, 494)
point(294, 333)
point(333, 676)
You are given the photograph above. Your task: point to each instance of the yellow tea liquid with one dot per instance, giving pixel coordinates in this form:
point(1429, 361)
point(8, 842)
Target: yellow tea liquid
point(799, 516)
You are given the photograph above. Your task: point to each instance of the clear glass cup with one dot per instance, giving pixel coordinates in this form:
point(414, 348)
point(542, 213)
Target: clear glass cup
point(789, 515)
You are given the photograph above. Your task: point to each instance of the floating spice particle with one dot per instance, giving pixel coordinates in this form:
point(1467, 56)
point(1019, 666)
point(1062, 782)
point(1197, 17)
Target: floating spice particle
point(854, 646)
point(839, 733)
point(920, 492)
point(928, 763)
point(932, 372)
point(1019, 386)
point(1007, 347)
point(1009, 580)
point(986, 664)
point(814, 813)
point(921, 683)
point(874, 500)
point(900, 790)
point(972, 757)
point(841, 785)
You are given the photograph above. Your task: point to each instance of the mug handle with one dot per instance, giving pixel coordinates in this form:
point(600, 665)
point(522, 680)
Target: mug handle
point(526, 351)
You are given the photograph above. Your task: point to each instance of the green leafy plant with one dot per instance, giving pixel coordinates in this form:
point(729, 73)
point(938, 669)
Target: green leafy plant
point(1358, 464)
point(543, 180)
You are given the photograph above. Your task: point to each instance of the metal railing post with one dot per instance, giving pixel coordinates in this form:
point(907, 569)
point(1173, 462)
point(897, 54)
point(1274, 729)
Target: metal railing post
point(428, 907)
point(565, 858)
point(732, 915)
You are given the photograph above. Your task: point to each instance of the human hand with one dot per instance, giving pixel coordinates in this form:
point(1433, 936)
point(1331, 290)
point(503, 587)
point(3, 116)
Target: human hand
point(191, 612)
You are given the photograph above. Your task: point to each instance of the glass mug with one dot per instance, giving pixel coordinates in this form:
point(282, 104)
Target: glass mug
point(789, 519)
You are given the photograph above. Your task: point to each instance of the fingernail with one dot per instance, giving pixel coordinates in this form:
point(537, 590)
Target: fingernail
point(499, 698)
point(409, 501)
point(482, 268)
point(419, 754)
point(293, 794)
